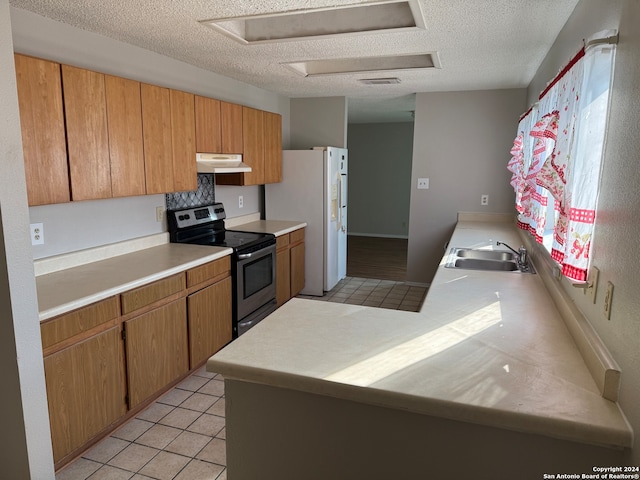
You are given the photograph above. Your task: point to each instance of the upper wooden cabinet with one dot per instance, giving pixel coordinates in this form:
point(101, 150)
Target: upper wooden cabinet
point(183, 139)
point(168, 126)
point(208, 126)
point(126, 153)
point(218, 126)
point(231, 128)
point(262, 139)
point(43, 133)
point(156, 134)
point(272, 147)
point(87, 133)
point(253, 139)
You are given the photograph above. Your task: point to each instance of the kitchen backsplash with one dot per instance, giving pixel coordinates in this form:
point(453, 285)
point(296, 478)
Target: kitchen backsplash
point(204, 195)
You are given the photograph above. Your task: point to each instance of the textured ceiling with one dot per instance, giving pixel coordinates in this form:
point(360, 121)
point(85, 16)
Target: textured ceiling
point(482, 44)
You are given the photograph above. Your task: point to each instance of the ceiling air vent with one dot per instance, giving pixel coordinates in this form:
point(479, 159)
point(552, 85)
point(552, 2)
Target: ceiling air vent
point(379, 81)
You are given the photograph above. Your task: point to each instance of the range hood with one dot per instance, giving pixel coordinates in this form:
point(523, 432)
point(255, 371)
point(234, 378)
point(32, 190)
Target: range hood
point(220, 163)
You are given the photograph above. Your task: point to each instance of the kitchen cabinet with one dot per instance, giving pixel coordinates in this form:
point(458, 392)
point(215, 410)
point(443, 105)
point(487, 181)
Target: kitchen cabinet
point(253, 145)
point(156, 135)
point(155, 329)
point(272, 147)
point(262, 149)
point(232, 128)
point(157, 350)
point(126, 154)
point(87, 133)
point(208, 125)
point(183, 140)
point(209, 309)
point(44, 147)
point(168, 126)
point(218, 126)
point(289, 265)
point(85, 375)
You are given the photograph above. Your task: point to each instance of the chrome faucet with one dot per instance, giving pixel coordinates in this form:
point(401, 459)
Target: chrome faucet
point(523, 258)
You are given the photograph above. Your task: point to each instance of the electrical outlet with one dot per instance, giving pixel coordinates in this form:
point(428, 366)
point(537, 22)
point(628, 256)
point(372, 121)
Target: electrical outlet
point(159, 214)
point(240, 201)
point(608, 300)
point(423, 183)
point(37, 234)
point(484, 199)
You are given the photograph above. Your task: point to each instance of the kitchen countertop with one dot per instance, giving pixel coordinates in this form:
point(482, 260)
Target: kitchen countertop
point(72, 288)
point(276, 227)
point(488, 348)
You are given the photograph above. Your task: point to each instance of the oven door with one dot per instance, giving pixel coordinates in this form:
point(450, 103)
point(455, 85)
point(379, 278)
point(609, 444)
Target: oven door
point(255, 280)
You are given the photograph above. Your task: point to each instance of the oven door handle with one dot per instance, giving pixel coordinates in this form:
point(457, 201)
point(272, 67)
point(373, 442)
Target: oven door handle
point(242, 256)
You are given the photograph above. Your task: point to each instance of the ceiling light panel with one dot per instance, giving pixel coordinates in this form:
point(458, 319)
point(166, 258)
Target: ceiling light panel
point(311, 68)
point(330, 21)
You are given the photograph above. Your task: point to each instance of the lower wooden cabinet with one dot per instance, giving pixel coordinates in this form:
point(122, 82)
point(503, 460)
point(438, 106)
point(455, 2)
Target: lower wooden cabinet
point(106, 359)
point(289, 265)
point(157, 350)
point(209, 321)
point(86, 390)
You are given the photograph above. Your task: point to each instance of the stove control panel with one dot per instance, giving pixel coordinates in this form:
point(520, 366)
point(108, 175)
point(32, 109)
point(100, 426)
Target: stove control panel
point(190, 217)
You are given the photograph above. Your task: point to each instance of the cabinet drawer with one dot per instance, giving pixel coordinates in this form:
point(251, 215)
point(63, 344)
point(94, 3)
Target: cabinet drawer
point(140, 297)
point(297, 236)
point(208, 271)
point(79, 321)
point(282, 241)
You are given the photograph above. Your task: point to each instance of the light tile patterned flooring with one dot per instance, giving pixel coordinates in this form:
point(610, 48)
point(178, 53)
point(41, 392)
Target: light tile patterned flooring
point(181, 436)
point(375, 293)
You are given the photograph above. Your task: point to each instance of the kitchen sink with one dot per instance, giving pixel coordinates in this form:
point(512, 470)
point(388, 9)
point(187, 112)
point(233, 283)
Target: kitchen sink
point(490, 260)
point(484, 254)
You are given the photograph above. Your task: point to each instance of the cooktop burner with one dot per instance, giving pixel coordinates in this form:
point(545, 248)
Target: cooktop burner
point(232, 239)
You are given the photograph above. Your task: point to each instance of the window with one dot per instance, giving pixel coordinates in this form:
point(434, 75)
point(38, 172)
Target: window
point(557, 157)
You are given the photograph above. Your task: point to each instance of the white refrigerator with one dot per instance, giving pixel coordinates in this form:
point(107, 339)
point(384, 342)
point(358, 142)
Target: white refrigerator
point(314, 190)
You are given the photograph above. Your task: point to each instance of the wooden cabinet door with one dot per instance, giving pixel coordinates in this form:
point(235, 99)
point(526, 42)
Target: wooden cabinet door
point(85, 390)
point(297, 269)
point(253, 140)
point(283, 276)
point(157, 350)
point(156, 134)
point(183, 131)
point(231, 128)
point(87, 135)
point(209, 320)
point(208, 125)
point(126, 152)
point(43, 134)
point(272, 147)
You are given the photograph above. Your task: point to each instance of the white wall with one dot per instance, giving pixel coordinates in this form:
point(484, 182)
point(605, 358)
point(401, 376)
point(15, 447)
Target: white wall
point(79, 225)
point(380, 178)
point(461, 143)
point(25, 439)
point(317, 122)
point(615, 241)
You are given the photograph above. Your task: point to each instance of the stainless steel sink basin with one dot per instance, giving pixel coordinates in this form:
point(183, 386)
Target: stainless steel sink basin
point(480, 264)
point(484, 254)
point(490, 260)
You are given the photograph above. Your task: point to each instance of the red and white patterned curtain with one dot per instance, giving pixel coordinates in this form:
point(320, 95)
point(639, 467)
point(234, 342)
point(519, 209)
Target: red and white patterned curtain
point(556, 159)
